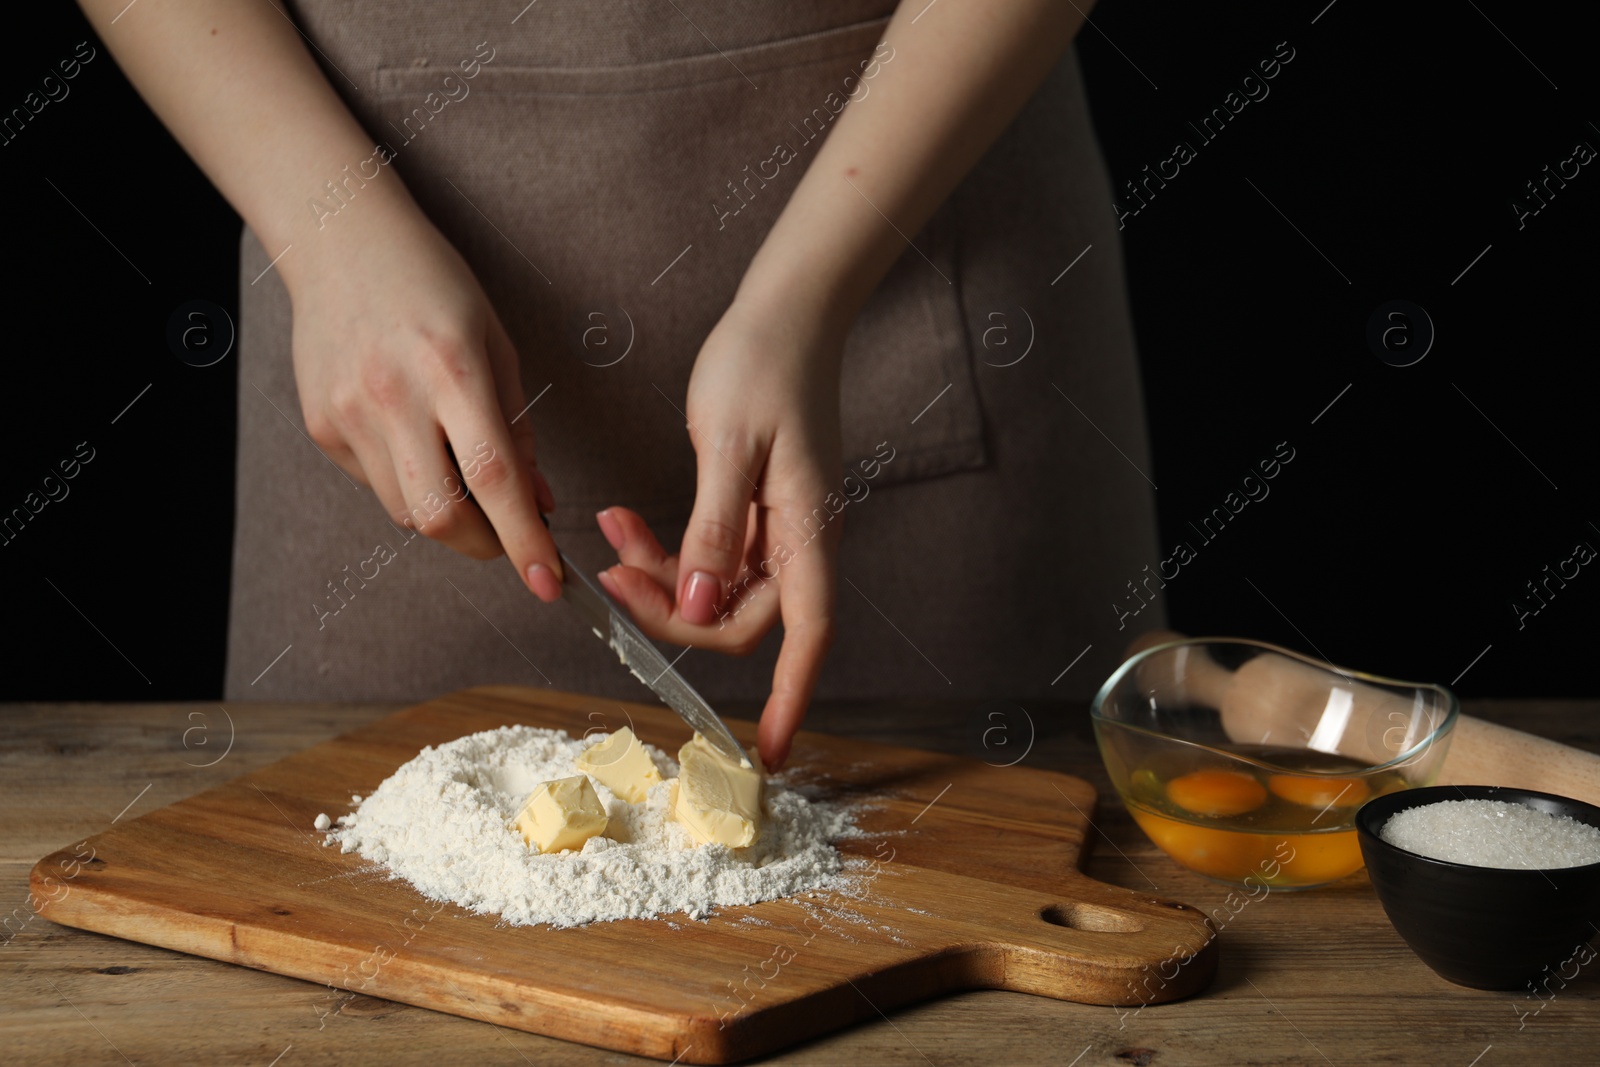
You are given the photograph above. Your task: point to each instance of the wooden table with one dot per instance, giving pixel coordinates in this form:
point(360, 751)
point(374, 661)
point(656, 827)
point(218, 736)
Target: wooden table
point(1306, 978)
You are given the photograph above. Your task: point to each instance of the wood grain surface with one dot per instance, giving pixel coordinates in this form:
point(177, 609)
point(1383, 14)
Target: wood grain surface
point(1304, 978)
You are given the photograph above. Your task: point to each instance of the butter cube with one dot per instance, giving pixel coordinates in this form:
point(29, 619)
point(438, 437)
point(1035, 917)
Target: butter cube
point(621, 764)
point(561, 814)
point(716, 799)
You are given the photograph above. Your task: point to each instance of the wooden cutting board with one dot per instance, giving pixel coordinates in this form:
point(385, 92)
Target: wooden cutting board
point(972, 883)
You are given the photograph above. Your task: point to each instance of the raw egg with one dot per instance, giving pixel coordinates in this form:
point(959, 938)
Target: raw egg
point(1226, 854)
point(1216, 793)
point(1319, 792)
point(1322, 857)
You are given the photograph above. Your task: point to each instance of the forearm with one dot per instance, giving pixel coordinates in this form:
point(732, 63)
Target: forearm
point(954, 80)
point(234, 83)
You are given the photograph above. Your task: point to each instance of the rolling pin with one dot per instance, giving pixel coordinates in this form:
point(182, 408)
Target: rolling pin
point(1254, 697)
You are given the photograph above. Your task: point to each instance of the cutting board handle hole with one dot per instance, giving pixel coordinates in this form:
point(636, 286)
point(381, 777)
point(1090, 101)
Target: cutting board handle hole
point(1092, 917)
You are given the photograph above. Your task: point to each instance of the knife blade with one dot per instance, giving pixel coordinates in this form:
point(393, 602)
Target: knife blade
point(636, 651)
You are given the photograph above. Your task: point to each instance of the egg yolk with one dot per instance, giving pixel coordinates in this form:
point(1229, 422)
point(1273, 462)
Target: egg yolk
point(1225, 854)
point(1319, 792)
point(1320, 858)
point(1216, 793)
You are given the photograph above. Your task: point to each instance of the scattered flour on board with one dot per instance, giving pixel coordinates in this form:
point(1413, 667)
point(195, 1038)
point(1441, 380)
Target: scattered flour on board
point(445, 823)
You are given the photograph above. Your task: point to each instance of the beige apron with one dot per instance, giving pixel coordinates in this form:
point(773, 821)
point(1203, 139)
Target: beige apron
point(608, 172)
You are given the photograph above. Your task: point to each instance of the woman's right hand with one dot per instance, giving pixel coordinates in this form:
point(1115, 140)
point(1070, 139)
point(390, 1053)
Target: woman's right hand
point(406, 377)
point(399, 358)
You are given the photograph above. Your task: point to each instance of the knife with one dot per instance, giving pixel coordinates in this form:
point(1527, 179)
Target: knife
point(611, 625)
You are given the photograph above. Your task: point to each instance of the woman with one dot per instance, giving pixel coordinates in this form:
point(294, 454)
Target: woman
point(622, 221)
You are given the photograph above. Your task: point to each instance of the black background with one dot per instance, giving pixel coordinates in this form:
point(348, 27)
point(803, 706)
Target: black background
point(1390, 148)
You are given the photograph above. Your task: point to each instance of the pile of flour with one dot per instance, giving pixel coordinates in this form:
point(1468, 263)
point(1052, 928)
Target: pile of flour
point(445, 823)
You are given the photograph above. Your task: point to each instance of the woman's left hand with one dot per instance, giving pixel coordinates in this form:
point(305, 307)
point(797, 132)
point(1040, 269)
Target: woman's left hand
point(763, 403)
point(761, 544)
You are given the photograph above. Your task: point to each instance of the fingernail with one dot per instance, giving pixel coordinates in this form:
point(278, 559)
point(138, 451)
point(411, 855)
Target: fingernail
point(700, 598)
point(610, 584)
point(547, 499)
point(544, 583)
point(611, 528)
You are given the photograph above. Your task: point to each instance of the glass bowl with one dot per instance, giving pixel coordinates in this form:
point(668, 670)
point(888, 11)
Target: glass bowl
point(1246, 762)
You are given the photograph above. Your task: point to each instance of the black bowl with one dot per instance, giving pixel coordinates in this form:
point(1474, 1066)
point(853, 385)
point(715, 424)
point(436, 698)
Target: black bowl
point(1485, 927)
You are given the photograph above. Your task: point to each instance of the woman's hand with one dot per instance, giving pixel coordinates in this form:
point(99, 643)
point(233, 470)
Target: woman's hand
point(762, 544)
point(764, 397)
point(399, 359)
point(406, 377)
